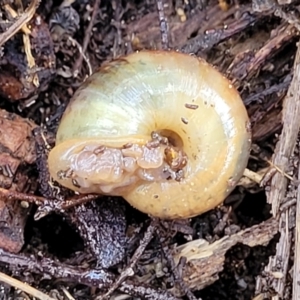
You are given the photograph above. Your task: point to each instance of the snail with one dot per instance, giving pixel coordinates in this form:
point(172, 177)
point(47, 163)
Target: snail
point(163, 129)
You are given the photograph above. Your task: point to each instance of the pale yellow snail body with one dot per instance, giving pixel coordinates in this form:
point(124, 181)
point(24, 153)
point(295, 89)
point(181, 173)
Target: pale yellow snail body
point(164, 130)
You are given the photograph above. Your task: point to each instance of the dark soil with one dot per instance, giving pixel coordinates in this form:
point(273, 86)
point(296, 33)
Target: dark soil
point(254, 48)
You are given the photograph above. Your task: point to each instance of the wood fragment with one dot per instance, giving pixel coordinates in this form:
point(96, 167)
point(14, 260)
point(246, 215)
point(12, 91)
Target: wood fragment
point(204, 261)
point(287, 140)
point(247, 64)
point(142, 33)
point(212, 37)
point(296, 278)
point(279, 190)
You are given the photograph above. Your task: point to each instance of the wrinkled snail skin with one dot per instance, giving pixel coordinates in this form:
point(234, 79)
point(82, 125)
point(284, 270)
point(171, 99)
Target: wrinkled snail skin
point(114, 113)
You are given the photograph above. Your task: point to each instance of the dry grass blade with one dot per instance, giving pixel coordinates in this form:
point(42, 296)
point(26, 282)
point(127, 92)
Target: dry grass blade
point(67, 293)
point(24, 287)
point(254, 176)
point(26, 40)
point(23, 19)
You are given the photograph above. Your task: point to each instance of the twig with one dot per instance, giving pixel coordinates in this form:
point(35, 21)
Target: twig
point(26, 40)
point(82, 56)
point(93, 277)
point(59, 206)
point(24, 18)
point(204, 262)
point(10, 195)
point(87, 37)
point(67, 293)
point(128, 271)
point(45, 205)
point(15, 15)
point(99, 278)
point(24, 287)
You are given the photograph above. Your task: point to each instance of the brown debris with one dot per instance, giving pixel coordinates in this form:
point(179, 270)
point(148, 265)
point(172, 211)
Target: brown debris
point(204, 261)
point(144, 34)
point(269, 124)
point(25, 74)
point(246, 64)
point(17, 147)
point(17, 151)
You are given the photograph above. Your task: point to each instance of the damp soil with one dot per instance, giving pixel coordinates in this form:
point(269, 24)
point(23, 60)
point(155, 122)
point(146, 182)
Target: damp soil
point(254, 44)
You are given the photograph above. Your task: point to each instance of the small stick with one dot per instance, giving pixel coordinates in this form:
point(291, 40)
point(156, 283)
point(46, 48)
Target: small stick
point(24, 287)
point(280, 187)
point(8, 195)
point(24, 18)
point(163, 24)
point(87, 37)
point(26, 40)
point(46, 205)
point(67, 293)
point(82, 56)
point(137, 254)
point(59, 206)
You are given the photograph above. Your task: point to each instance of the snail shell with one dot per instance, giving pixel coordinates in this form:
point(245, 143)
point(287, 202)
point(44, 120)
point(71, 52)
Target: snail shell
point(162, 129)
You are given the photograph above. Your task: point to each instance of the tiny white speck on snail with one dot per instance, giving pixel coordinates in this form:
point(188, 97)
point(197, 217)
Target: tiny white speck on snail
point(162, 163)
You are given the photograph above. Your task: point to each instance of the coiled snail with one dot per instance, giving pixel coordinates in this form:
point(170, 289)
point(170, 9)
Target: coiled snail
point(162, 129)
